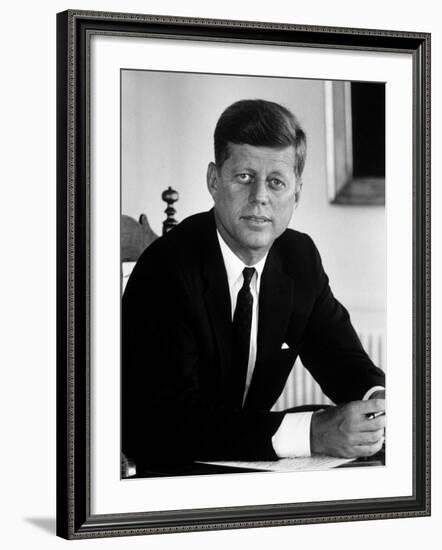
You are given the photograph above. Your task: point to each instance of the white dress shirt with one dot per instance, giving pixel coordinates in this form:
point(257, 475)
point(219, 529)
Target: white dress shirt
point(293, 435)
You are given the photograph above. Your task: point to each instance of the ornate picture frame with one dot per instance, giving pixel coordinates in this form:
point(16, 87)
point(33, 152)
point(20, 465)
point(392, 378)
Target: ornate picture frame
point(76, 221)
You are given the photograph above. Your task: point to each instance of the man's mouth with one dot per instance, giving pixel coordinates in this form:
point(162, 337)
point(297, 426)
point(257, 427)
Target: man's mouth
point(256, 219)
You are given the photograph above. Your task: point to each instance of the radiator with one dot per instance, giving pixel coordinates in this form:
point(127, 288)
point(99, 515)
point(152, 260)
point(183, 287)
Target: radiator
point(301, 388)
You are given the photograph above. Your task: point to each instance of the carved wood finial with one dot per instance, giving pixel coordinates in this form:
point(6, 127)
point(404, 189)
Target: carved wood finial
point(169, 196)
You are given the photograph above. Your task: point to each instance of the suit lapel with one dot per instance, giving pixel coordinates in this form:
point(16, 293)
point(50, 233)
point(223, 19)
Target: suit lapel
point(217, 298)
point(275, 306)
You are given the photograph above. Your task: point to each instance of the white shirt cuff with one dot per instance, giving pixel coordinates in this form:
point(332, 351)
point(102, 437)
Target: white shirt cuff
point(371, 392)
point(293, 435)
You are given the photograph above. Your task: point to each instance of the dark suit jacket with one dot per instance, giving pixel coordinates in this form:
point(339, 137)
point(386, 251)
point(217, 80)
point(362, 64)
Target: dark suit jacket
point(176, 347)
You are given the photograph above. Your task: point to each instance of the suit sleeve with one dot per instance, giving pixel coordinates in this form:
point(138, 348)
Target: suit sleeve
point(167, 417)
point(331, 349)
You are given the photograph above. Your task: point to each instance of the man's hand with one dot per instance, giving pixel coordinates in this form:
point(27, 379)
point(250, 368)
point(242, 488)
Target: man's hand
point(347, 431)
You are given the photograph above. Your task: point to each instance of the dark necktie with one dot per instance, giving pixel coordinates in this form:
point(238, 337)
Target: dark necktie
point(242, 323)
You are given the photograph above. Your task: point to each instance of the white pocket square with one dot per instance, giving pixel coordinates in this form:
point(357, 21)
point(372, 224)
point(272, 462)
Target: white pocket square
point(284, 346)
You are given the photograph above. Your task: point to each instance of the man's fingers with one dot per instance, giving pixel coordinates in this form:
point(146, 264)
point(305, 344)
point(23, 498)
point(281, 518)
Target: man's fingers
point(365, 416)
point(372, 424)
point(367, 438)
point(371, 406)
point(347, 430)
point(368, 450)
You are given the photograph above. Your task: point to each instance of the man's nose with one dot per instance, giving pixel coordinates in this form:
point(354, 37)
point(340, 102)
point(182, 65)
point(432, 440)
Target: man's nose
point(259, 191)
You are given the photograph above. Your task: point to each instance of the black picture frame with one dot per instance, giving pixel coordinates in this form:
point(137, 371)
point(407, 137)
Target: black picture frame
point(74, 517)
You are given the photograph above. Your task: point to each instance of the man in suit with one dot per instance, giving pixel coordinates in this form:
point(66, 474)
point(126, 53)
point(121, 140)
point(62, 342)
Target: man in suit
point(216, 312)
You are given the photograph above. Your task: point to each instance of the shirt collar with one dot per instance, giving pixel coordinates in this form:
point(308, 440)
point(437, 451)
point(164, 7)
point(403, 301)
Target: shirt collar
point(234, 266)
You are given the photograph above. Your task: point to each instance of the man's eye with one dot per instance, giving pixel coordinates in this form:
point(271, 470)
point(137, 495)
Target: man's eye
point(244, 178)
point(276, 183)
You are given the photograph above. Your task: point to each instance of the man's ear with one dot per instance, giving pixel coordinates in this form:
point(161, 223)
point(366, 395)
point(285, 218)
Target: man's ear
point(212, 181)
point(298, 190)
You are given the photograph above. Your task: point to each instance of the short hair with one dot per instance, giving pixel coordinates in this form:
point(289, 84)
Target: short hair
point(259, 123)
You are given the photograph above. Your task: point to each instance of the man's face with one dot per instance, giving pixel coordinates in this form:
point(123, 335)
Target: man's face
point(254, 193)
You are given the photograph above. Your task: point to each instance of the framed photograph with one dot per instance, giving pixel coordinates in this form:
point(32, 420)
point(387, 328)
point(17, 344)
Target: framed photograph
point(243, 274)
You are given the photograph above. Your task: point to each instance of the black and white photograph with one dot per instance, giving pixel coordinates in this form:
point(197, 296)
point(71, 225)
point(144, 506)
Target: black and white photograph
point(243, 260)
point(222, 265)
point(253, 274)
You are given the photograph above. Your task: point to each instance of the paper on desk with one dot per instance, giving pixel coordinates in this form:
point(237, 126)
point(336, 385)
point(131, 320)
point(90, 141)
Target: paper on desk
point(319, 462)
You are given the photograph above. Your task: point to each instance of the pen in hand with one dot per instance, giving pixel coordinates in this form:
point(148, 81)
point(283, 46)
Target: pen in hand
point(375, 415)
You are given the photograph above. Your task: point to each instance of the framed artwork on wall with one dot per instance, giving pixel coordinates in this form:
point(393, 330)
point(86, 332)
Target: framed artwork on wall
point(356, 142)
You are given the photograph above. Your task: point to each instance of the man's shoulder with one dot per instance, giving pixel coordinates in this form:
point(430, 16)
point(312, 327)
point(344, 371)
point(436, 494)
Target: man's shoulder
point(172, 258)
point(192, 226)
point(292, 241)
point(186, 240)
point(296, 250)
